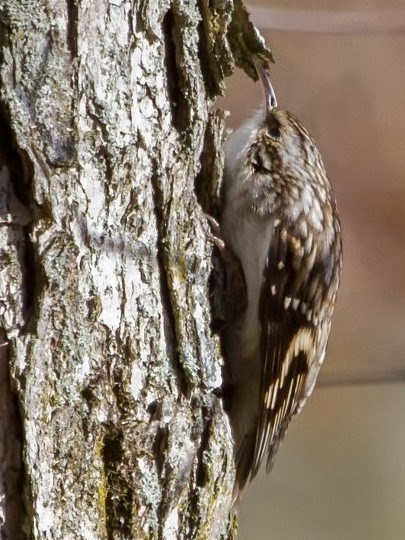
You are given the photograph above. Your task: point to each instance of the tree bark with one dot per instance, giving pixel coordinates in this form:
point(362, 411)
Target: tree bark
point(111, 423)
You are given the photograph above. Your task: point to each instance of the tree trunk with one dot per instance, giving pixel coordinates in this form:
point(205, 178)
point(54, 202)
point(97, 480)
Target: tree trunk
point(111, 423)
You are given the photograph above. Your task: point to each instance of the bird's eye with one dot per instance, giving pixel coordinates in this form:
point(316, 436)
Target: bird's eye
point(275, 133)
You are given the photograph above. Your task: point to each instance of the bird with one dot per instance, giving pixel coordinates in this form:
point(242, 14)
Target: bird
point(281, 230)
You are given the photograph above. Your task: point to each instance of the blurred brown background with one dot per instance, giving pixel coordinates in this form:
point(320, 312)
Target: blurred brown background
point(341, 472)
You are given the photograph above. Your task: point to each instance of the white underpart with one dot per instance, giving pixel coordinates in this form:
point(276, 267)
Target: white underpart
point(248, 236)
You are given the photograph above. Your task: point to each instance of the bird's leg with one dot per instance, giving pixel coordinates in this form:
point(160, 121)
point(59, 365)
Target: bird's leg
point(235, 280)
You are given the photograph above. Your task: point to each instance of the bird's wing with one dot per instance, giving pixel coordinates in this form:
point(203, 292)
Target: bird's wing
point(296, 305)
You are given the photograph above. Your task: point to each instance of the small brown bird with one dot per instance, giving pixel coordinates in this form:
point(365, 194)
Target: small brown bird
point(280, 222)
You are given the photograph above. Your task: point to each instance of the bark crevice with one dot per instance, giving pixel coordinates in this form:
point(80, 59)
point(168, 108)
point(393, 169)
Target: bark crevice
point(19, 206)
point(167, 304)
point(119, 491)
point(72, 11)
point(178, 105)
point(13, 502)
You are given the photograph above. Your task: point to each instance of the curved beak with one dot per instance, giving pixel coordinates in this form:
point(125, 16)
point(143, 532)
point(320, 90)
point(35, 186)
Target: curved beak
point(271, 100)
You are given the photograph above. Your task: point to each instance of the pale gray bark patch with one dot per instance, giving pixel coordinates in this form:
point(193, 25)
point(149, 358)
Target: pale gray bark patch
point(112, 154)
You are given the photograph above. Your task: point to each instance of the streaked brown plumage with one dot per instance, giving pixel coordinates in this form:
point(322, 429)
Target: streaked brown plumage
point(281, 223)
